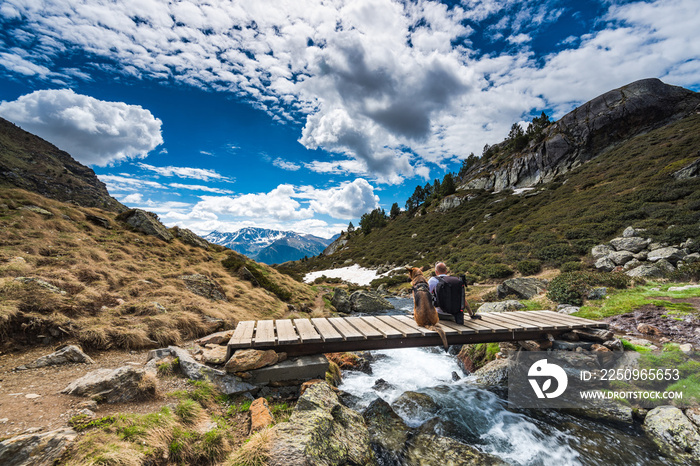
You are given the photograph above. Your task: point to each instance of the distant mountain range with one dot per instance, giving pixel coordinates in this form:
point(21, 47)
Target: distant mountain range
point(271, 246)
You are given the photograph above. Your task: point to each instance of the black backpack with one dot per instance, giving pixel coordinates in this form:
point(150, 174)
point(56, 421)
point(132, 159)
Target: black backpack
point(449, 296)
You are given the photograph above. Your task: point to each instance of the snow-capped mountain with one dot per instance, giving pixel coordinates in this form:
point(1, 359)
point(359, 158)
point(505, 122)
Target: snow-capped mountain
point(270, 246)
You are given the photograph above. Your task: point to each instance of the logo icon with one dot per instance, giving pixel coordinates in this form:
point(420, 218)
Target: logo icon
point(544, 370)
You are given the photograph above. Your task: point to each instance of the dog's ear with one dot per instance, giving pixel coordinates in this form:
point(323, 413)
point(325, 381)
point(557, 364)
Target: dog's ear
point(409, 269)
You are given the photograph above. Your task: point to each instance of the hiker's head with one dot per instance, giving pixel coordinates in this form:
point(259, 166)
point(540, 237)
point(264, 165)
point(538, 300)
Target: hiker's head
point(440, 268)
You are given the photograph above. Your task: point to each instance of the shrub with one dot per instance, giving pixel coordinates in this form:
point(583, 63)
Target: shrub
point(572, 287)
point(554, 251)
point(686, 272)
point(495, 271)
point(571, 266)
point(390, 281)
point(529, 267)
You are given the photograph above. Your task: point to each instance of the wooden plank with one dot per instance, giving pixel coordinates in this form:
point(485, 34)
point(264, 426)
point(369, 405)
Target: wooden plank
point(451, 328)
point(524, 320)
point(495, 327)
point(561, 319)
point(307, 332)
point(517, 323)
point(326, 329)
point(564, 318)
point(406, 330)
point(264, 333)
point(412, 323)
point(474, 325)
point(387, 330)
point(242, 337)
point(366, 329)
point(349, 332)
point(512, 326)
point(547, 320)
point(286, 333)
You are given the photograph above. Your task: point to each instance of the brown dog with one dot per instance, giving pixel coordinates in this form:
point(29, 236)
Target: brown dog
point(424, 312)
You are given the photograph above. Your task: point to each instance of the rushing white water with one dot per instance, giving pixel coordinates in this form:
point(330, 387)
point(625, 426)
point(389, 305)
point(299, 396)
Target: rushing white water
point(479, 417)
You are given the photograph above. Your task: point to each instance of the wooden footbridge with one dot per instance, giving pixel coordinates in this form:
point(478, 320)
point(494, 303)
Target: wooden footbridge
point(298, 337)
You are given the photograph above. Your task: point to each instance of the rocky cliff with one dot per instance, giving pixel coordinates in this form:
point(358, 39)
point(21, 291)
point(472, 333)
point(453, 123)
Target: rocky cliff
point(31, 163)
point(588, 131)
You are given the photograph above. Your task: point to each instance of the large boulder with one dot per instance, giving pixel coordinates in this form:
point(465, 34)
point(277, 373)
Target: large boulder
point(368, 301)
point(493, 373)
point(426, 448)
point(204, 286)
point(600, 251)
point(145, 222)
point(124, 384)
point(672, 255)
point(388, 432)
point(37, 449)
point(604, 264)
point(502, 306)
point(645, 271)
point(341, 300)
point(523, 288)
point(65, 355)
point(621, 257)
point(416, 407)
point(673, 432)
point(190, 238)
point(321, 431)
point(633, 244)
point(245, 360)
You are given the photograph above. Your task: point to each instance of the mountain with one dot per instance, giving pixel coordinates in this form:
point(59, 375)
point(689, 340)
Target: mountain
point(31, 163)
point(270, 246)
point(545, 197)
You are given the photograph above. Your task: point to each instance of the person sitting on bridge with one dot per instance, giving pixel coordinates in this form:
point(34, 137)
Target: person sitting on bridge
point(449, 295)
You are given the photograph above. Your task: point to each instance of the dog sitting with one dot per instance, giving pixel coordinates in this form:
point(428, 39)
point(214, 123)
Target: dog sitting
point(424, 312)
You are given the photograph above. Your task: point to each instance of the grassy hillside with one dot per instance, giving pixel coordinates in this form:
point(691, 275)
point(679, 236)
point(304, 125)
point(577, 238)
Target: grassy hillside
point(554, 225)
point(121, 288)
point(31, 163)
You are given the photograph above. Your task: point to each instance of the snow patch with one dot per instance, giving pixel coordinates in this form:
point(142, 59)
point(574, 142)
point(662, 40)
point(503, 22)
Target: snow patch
point(352, 274)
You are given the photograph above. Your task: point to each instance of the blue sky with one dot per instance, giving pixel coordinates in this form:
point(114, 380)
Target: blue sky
point(303, 115)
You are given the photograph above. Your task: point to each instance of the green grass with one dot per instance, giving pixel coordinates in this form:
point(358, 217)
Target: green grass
point(632, 347)
point(624, 301)
point(690, 387)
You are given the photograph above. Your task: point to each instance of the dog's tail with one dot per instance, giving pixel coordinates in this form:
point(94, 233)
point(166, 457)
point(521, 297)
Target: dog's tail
point(441, 332)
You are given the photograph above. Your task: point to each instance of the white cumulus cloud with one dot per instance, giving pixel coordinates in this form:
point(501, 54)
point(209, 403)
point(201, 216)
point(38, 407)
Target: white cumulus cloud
point(94, 132)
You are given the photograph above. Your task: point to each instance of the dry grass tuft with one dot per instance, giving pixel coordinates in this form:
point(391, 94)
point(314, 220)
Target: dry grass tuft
point(255, 452)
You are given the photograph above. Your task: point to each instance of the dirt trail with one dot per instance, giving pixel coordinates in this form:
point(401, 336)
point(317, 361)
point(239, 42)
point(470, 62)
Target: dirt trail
point(22, 411)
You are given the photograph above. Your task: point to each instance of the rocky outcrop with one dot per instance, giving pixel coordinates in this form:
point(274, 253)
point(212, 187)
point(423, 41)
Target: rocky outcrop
point(674, 432)
point(321, 431)
point(190, 238)
point(523, 288)
point(204, 286)
point(114, 385)
point(368, 301)
point(37, 449)
point(450, 202)
point(689, 171)
point(388, 432)
point(640, 257)
point(359, 301)
point(502, 306)
point(587, 131)
point(146, 223)
point(335, 245)
point(65, 355)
